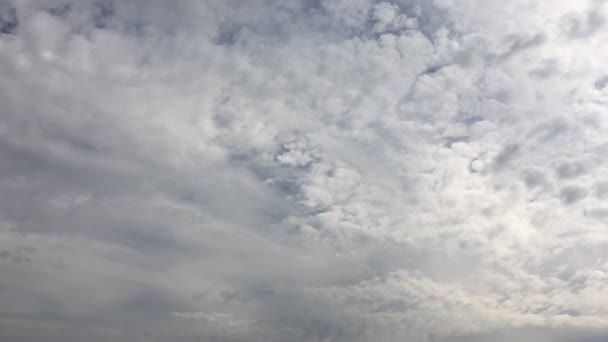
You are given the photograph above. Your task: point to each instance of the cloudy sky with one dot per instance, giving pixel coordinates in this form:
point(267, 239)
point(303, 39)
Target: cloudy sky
point(303, 170)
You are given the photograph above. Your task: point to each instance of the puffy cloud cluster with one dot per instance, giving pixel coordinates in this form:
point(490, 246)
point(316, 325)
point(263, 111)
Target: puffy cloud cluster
point(303, 170)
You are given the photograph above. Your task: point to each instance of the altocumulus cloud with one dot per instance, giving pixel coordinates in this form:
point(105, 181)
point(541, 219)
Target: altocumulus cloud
point(303, 170)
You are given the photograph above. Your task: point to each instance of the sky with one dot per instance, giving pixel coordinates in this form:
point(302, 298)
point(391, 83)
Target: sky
point(303, 170)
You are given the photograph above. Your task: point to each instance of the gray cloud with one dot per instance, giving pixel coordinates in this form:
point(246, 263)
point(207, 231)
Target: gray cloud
point(582, 25)
point(572, 194)
point(571, 169)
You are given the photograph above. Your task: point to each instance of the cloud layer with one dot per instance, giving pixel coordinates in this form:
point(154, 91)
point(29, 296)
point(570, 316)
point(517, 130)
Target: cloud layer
point(303, 170)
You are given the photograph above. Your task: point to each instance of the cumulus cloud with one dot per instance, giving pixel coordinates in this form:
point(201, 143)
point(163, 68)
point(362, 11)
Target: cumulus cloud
point(303, 170)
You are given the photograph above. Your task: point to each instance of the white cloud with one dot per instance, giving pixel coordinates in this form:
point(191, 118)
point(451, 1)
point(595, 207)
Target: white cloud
point(302, 170)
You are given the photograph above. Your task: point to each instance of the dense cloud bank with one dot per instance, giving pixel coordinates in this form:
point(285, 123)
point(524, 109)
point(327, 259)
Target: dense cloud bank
point(303, 170)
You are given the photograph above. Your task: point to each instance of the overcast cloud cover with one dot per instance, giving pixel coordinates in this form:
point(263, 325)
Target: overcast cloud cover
point(303, 170)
